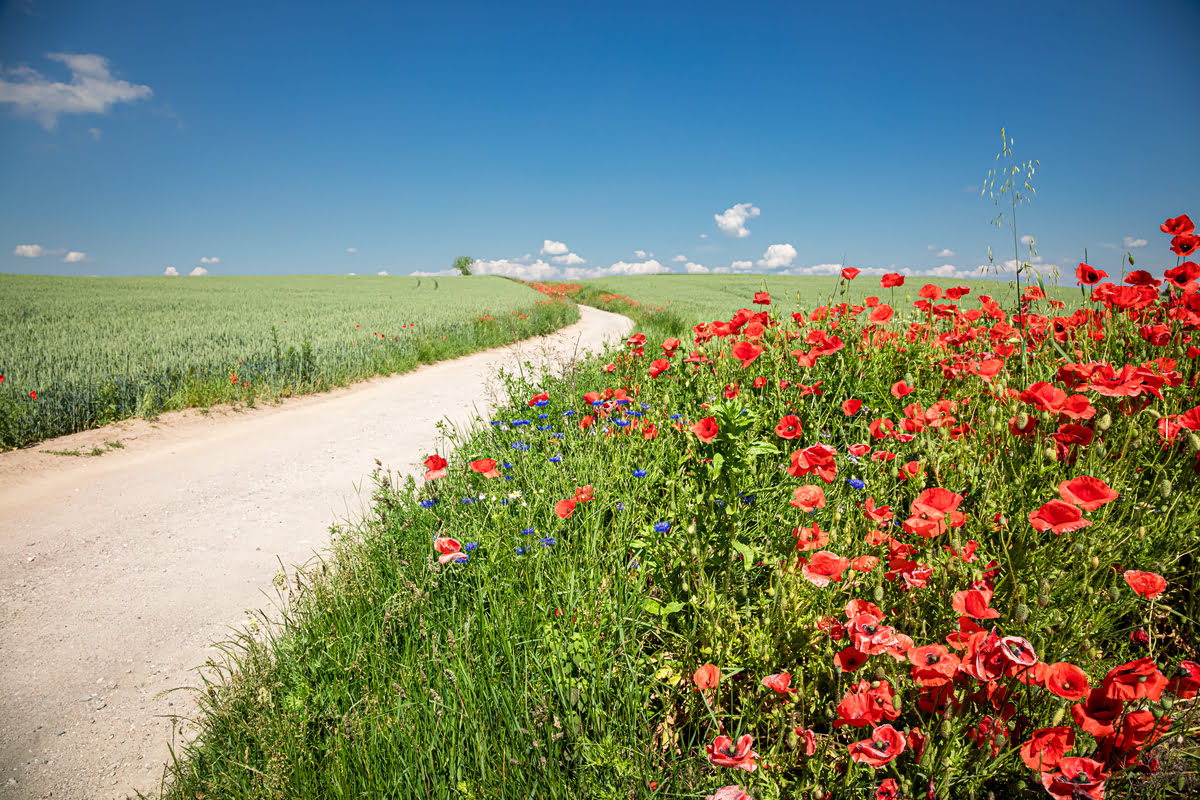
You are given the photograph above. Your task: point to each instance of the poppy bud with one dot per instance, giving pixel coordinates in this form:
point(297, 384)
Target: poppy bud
point(878, 594)
point(998, 427)
point(1153, 413)
point(1078, 548)
point(945, 729)
point(1000, 741)
point(1105, 422)
point(1164, 489)
point(1022, 420)
point(1168, 703)
point(1114, 594)
point(1141, 532)
point(909, 379)
point(896, 702)
point(1095, 562)
point(1046, 417)
point(993, 410)
point(1049, 454)
point(1043, 601)
point(1101, 450)
point(1022, 614)
point(1058, 716)
point(880, 674)
point(1194, 442)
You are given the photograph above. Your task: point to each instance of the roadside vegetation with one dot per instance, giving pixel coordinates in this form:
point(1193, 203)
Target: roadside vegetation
point(927, 545)
point(78, 353)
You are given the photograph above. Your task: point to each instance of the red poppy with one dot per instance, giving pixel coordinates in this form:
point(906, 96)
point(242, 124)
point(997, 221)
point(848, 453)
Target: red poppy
point(1089, 275)
point(809, 739)
point(933, 665)
point(936, 503)
point(706, 429)
point(539, 399)
point(1077, 777)
point(450, 550)
point(1185, 244)
point(1099, 714)
point(1058, 517)
point(1177, 225)
point(723, 753)
point(810, 538)
point(876, 514)
point(1046, 748)
point(670, 345)
point(891, 279)
point(880, 315)
point(746, 352)
point(1186, 683)
point(789, 427)
point(435, 467)
point(762, 298)
point(851, 407)
point(1086, 492)
point(888, 790)
point(731, 792)
point(778, 683)
point(808, 498)
point(658, 366)
point(1066, 680)
point(901, 389)
point(1147, 584)
point(930, 291)
point(864, 563)
point(33, 395)
point(486, 467)
point(706, 677)
point(825, 567)
point(850, 273)
point(974, 603)
point(885, 744)
point(849, 659)
point(564, 508)
point(818, 459)
point(1133, 680)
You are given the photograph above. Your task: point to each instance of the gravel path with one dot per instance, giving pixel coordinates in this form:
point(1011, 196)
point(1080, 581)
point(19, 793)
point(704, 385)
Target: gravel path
point(118, 571)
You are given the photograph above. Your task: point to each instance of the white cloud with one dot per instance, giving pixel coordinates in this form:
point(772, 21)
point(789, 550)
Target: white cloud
point(383, 272)
point(198, 271)
point(778, 255)
point(742, 266)
point(679, 259)
point(944, 271)
point(1131, 242)
point(351, 250)
point(704, 236)
point(95, 133)
point(92, 90)
point(732, 221)
point(569, 260)
point(170, 271)
point(536, 271)
point(29, 251)
point(640, 254)
point(210, 260)
point(553, 248)
point(1027, 239)
point(73, 256)
point(946, 252)
point(695, 269)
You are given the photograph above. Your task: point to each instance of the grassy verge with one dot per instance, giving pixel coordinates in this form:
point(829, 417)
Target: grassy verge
point(816, 552)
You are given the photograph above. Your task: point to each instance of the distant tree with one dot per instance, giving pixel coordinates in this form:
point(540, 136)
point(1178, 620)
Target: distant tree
point(463, 264)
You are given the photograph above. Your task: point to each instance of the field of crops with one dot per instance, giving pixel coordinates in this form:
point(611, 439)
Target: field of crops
point(939, 549)
point(76, 353)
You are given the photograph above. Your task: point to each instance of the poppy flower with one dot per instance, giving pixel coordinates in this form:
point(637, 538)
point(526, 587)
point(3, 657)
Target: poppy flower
point(706, 429)
point(818, 459)
point(901, 389)
point(539, 400)
point(778, 683)
point(1059, 517)
point(849, 659)
point(731, 792)
point(33, 395)
point(888, 790)
point(1099, 714)
point(864, 563)
point(1076, 777)
point(891, 279)
point(1133, 680)
point(809, 739)
point(746, 352)
point(1089, 275)
point(762, 298)
point(1147, 584)
point(724, 753)
point(880, 315)
point(1185, 244)
point(808, 498)
point(789, 427)
point(811, 538)
point(1177, 225)
point(974, 603)
point(936, 503)
point(850, 273)
point(485, 467)
point(450, 550)
point(885, 744)
point(583, 494)
point(876, 514)
point(1046, 748)
point(435, 467)
point(851, 407)
point(706, 677)
point(658, 366)
point(866, 703)
point(1186, 682)
point(933, 665)
point(1086, 492)
point(1066, 680)
point(564, 508)
point(930, 291)
point(825, 567)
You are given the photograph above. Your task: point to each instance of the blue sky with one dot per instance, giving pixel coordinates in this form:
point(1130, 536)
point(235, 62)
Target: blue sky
point(554, 140)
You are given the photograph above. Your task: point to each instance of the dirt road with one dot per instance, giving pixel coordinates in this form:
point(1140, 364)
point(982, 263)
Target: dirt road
point(118, 571)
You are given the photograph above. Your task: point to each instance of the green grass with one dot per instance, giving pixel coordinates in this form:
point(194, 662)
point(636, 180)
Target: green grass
point(557, 660)
point(96, 350)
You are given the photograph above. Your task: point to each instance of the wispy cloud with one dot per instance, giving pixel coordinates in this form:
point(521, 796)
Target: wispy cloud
point(92, 89)
point(1131, 242)
point(210, 260)
point(732, 221)
point(351, 250)
point(29, 251)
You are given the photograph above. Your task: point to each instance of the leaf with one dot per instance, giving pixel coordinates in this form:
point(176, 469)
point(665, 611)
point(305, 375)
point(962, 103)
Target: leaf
point(746, 551)
point(652, 606)
point(762, 448)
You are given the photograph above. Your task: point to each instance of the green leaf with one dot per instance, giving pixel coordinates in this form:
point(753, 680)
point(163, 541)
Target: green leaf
point(746, 551)
point(762, 448)
point(652, 606)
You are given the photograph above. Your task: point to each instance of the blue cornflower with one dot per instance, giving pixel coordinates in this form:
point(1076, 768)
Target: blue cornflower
point(645, 406)
point(469, 546)
point(430, 503)
point(568, 412)
point(619, 506)
point(621, 423)
point(549, 540)
point(516, 423)
point(676, 416)
point(633, 413)
point(855, 483)
point(506, 465)
point(527, 532)
point(545, 427)
point(543, 416)
point(555, 459)
point(520, 446)
point(521, 551)
point(557, 435)
point(662, 527)
point(468, 500)
point(497, 422)
point(639, 473)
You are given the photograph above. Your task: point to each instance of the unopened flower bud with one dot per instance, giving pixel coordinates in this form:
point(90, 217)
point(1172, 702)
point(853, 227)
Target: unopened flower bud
point(1095, 562)
point(945, 729)
point(1022, 614)
point(1058, 716)
point(878, 594)
point(1105, 422)
point(1164, 489)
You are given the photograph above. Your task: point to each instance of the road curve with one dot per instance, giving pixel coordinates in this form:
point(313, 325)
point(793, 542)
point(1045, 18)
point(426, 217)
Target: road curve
point(118, 571)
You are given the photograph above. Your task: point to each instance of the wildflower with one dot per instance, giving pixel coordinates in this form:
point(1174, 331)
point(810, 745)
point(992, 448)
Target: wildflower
point(485, 467)
point(808, 498)
point(706, 430)
point(449, 548)
point(547, 541)
point(891, 279)
point(639, 473)
point(555, 459)
point(564, 508)
point(1098, 714)
point(855, 483)
point(1186, 682)
point(1066, 680)
point(517, 423)
point(885, 744)
point(1086, 492)
point(1058, 517)
point(435, 467)
point(662, 527)
point(789, 427)
point(1133, 680)
point(539, 400)
point(428, 503)
point(520, 446)
point(850, 273)
point(470, 546)
point(825, 567)
point(888, 790)
point(731, 792)
point(527, 532)
point(1146, 584)
point(521, 551)
point(706, 677)
point(1045, 749)
point(778, 683)
point(723, 753)
point(1076, 777)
